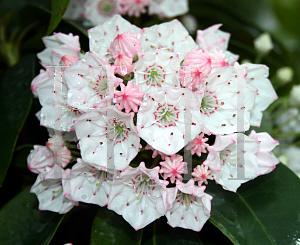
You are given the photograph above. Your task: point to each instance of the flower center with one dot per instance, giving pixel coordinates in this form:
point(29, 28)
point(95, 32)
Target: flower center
point(106, 7)
point(119, 129)
point(154, 76)
point(185, 199)
point(166, 115)
point(100, 86)
point(209, 102)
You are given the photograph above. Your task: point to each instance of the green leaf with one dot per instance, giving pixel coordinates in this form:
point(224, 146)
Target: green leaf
point(58, 8)
point(22, 223)
point(163, 234)
point(110, 228)
point(15, 102)
point(265, 210)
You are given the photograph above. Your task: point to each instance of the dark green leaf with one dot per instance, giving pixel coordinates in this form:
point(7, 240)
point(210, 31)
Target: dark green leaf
point(163, 234)
point(265, 210)
point(58, 8)
point(15, 102)
point(110, 228)
point(22, 223)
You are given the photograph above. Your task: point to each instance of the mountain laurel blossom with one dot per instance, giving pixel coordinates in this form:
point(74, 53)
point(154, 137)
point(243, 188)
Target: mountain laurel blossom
point(132, 111)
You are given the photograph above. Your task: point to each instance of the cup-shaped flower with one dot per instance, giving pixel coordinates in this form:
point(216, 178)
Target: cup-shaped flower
point(107, 138)
point(155, 70)
point(190, 207)
point(233, 160)
point(165, 116)
point(88, 184)
point(257, 76)
point(139, 196)
point(100, 11)
point(266, 159)
point(171, 36)
point(90, 81)
point(226, 102)
point(49, 190)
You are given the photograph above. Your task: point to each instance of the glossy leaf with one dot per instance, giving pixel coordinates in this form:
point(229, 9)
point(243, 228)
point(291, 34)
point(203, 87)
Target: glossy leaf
point(110, 228)
point(21, 222)
point(58, 8)
point(15, 101)
point(265, 210)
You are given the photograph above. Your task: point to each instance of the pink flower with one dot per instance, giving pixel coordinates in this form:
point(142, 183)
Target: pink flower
point(129, 97)
point(173, 167)
point(40, 159)
point(123, 64)
point(202, 174)
point(155, 152)
point(69, 59)
point(197, 145)
point(198, 64)
point(133, 7)
point(126, 44)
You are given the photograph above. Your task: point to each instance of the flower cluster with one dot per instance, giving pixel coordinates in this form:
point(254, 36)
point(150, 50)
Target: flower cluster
point(148, 92)
point(99, 11)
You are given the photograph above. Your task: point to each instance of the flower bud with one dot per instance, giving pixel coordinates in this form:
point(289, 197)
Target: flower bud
point(285, 74)
point(263, 44)
point(295, 96)
point(190, 23)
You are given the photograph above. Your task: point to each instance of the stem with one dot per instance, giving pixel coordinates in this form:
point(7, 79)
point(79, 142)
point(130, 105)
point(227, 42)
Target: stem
point(155, 162)
point(154, 235)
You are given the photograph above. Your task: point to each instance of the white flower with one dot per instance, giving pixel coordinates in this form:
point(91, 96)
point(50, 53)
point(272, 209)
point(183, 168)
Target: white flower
point(107, 138)
point(40, 159)
point(168, 8)
point(190, 23)
point(266, 159)
point(163, 117)
point(139, 196)
point(88, 184)
point(100, 11)
point(90, 82)
point(225, 95)
point(171, 36)
point(102, 36)
point(191, 206)
point(49, 191)
point(263, 43)
point(295, 96)
point(257, 76)
point(233, 160)
point(155, 70)
point(57, 46)
point(212, 38)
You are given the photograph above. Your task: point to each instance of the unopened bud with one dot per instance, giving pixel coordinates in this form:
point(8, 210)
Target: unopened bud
point(190, 23)
point(263, 44)
point(284, 74)
point(295, 96)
